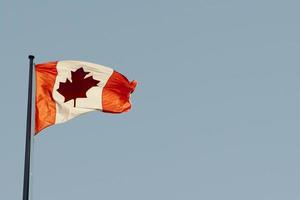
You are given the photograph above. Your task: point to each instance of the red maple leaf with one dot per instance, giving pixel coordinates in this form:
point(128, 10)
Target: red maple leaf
point(78, 87)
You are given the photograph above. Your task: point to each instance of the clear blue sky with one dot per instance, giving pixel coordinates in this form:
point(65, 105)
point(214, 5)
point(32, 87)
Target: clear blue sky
point(215, 115)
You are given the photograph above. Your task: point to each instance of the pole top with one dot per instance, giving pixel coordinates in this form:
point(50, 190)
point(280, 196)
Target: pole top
point(31, 57)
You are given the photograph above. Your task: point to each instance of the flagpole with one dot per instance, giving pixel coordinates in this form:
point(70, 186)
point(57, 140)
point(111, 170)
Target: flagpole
point(28, 133)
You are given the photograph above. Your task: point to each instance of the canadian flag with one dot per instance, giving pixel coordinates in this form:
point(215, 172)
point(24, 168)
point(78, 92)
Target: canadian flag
point(66, 89)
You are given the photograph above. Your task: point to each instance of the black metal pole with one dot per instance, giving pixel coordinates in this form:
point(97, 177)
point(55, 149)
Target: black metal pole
point(28, 133)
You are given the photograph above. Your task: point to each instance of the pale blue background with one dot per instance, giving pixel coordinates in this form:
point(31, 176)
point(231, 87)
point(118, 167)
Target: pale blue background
point(215, 115)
